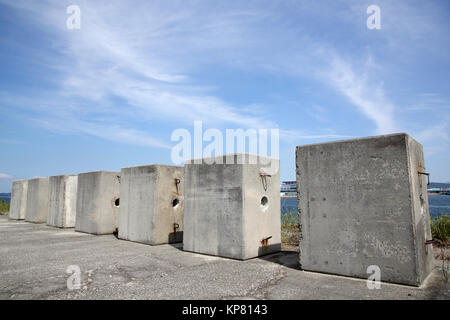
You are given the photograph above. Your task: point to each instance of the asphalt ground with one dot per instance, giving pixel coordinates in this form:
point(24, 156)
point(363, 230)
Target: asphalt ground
point(34, 259)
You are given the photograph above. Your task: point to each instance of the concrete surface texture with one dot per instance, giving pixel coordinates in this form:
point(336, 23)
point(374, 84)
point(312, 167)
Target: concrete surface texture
point(363, 202)
point(232, 210)
point(37, 200)
point(62, 201)
point(18, 202)
point(98, 202)
point(152, 204)
point(34, 259)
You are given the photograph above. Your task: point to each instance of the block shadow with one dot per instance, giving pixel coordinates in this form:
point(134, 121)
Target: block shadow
point(286, 258)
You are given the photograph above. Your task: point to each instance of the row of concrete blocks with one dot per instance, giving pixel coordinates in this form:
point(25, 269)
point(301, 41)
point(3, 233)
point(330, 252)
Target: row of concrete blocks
point(362, 204)
point(227, 209)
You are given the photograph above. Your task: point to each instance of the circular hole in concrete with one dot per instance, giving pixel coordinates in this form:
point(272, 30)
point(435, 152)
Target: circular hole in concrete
point(264, 202)
point(175, 202)
point(117, 202)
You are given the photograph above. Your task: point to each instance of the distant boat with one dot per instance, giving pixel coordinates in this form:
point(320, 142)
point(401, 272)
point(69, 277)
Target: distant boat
point(288, 189)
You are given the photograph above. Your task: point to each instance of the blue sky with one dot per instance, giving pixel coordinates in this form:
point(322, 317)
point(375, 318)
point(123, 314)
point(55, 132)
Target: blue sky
point(110, 94)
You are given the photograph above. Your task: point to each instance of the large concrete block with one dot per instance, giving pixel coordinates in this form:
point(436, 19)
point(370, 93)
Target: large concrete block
point(62, 201)
point(364, 202)
point(152, 204)
point(37, 200)
point(232, 210)
point(98, 202)
point(18, 199)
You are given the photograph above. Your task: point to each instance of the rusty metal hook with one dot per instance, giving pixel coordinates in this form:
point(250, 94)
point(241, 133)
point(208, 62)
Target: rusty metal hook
point(177, 182)
point(426, 174)
point(265, 241)
point(264, 176)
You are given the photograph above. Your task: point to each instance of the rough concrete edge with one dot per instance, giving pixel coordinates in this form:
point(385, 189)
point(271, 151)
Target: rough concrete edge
point(38, 178)
point(62, 175)
point(98, 171)
point(64, 213)
point(119, 236)
point(24, 184)
point(151, 164)
point(21, 180)
point(361, 279)
point(299, 209)
point(191, 160)
point(354, 140)
point(244, 253)
point(155, 190)
point(412, 211)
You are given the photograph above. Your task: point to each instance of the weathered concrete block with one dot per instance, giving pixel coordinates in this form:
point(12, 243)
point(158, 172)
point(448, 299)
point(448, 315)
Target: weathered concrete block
point(98, 202)
point(62, 201)
point(232, 210)
point(152, 204)
point(18, 199)
point(37, 200)
point(364, 202)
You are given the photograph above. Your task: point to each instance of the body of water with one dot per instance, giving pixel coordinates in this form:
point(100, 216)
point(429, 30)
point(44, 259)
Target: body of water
point(438, 205)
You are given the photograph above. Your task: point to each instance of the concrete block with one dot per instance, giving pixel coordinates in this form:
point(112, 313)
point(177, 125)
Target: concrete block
point(152, 204)
point(18, 199)
point(363, 202)
point(62, 201)
point(232, 210)
point(37, 200)
point(98, 202)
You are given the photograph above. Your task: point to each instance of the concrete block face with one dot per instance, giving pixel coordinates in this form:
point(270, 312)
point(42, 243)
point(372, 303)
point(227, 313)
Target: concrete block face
point(37, 200)
point(421, 216)
point(18, 200)
point(152, 204)
point(223, 214)
point(62, 201)
point(98, 201)
point(359, 205)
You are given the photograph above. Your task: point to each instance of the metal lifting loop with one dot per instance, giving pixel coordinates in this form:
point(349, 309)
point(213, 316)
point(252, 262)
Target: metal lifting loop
point(265, 241)
point(177, 182)
point(264, 176)
point(426, 174)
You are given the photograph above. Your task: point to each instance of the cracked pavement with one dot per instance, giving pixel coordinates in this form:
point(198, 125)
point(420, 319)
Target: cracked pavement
point(34, 259)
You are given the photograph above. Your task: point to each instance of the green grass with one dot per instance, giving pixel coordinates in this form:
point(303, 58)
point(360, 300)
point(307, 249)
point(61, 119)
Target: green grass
point(440, 230)
point(4, 207)
point(290, 229)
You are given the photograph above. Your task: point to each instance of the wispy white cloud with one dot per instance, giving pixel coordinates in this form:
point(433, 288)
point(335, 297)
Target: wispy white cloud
point(429, 102)
point(362, 92)
point(134, 71)
point(295, 136)
point(112, 132)
point(137, 63)
point(319, 113)
point(5, 176)
point(438, 132)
